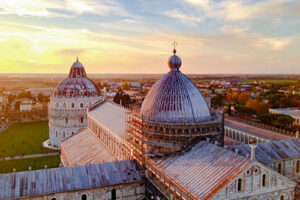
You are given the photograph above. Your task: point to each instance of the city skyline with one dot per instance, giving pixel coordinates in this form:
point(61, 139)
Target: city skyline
point(135, 37)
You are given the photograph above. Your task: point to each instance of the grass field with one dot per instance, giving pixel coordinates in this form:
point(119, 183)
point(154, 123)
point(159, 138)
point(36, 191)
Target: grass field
point(23, 164)
point(273, 80)
point(24, 138)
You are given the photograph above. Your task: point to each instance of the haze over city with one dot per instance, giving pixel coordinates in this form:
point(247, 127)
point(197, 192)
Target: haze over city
point(111, 36)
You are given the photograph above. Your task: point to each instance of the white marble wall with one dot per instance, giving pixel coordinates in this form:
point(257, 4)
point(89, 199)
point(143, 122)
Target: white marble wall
point(131, 191)
point(67, 116)
point(276, 187)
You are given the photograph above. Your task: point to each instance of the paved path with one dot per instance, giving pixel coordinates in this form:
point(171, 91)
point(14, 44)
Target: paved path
point(30, 156)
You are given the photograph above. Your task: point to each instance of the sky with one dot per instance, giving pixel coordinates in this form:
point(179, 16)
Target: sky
point(135, 36)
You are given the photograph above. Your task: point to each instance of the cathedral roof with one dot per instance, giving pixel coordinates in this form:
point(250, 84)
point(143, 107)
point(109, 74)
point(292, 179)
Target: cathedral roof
point(204, 170)
point(84, 148)
point(77, 84)
point(266, 152)
point(174, 98)
point(110, 115)
point(67, 179)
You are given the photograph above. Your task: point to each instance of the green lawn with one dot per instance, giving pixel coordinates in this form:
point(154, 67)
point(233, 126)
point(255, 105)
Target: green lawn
point(23, 164)
point(24, 138)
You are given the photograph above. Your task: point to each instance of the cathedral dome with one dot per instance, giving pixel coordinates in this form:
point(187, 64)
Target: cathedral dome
point(174, 98)
point(77, 84)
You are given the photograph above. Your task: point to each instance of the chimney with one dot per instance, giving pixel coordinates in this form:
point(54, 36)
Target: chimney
point(252, 156)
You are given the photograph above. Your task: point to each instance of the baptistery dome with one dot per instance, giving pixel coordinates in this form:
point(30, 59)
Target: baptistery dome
point(68, 104)
point(174, 98)
point(77, 84)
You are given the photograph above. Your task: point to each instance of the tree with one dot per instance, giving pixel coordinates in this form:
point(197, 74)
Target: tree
point(17, 105)
point(243, 98)
point(267, 118)
point(258, 105)
point(125, 86)
point(42, 98)
point(284, 121)
point(121, 98)
point(245, 110)
point(218, 100)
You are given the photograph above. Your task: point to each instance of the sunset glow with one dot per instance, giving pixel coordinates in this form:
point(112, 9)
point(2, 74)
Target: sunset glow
point(110, 36)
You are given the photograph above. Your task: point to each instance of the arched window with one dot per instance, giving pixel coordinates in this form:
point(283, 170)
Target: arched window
point(279, 168)
point(281, 197)
point(239, 185)
point(84, 197)
point(298, 166)
point(53, 199)
point(81, 119)
point(64, 134)
point(72, 105)
point(57, 104)
point(113, 194)
point(263, 180)
point(81, 105)
point(64, 105)
point(66, 120)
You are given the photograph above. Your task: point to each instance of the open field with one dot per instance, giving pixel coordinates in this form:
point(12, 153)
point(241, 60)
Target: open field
point(24, 138)
point(23, 164)
point(274, 80)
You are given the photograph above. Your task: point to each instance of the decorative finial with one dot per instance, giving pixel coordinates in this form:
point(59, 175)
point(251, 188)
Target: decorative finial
point(174, 44)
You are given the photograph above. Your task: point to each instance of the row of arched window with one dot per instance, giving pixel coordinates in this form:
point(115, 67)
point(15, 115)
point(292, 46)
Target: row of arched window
point(72, 105)
point(263, 182)
point(67, 120)
point(84, 196)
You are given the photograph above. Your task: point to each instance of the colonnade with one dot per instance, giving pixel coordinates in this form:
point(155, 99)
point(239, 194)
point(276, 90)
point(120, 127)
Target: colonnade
point(242, 137)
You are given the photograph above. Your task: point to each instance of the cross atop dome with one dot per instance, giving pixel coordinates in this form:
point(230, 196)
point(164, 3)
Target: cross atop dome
point(174, 61)
point(174, 44)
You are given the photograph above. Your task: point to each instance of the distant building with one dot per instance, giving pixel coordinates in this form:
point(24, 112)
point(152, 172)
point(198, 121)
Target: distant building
point(25, 107)
point(3, 100)
point(68, 104)
point(293, 112)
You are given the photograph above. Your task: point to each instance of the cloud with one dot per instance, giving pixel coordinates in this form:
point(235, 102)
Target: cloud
point(44, 8)
point(275, 44)
point(235, 10)
point(184, 18)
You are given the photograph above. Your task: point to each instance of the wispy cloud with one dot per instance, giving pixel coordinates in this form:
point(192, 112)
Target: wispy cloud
point(183, 17)
point(44, 8)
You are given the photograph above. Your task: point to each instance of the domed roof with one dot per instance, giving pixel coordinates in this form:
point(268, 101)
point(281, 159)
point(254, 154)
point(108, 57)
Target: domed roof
point(174, 98)
point(77, 84)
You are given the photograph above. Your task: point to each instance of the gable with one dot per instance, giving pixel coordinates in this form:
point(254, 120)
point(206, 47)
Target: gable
point(252, 183)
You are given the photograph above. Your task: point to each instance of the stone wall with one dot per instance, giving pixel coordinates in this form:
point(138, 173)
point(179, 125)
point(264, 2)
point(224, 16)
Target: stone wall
point(258, 182)
point(131, 191)
point(67, 116)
